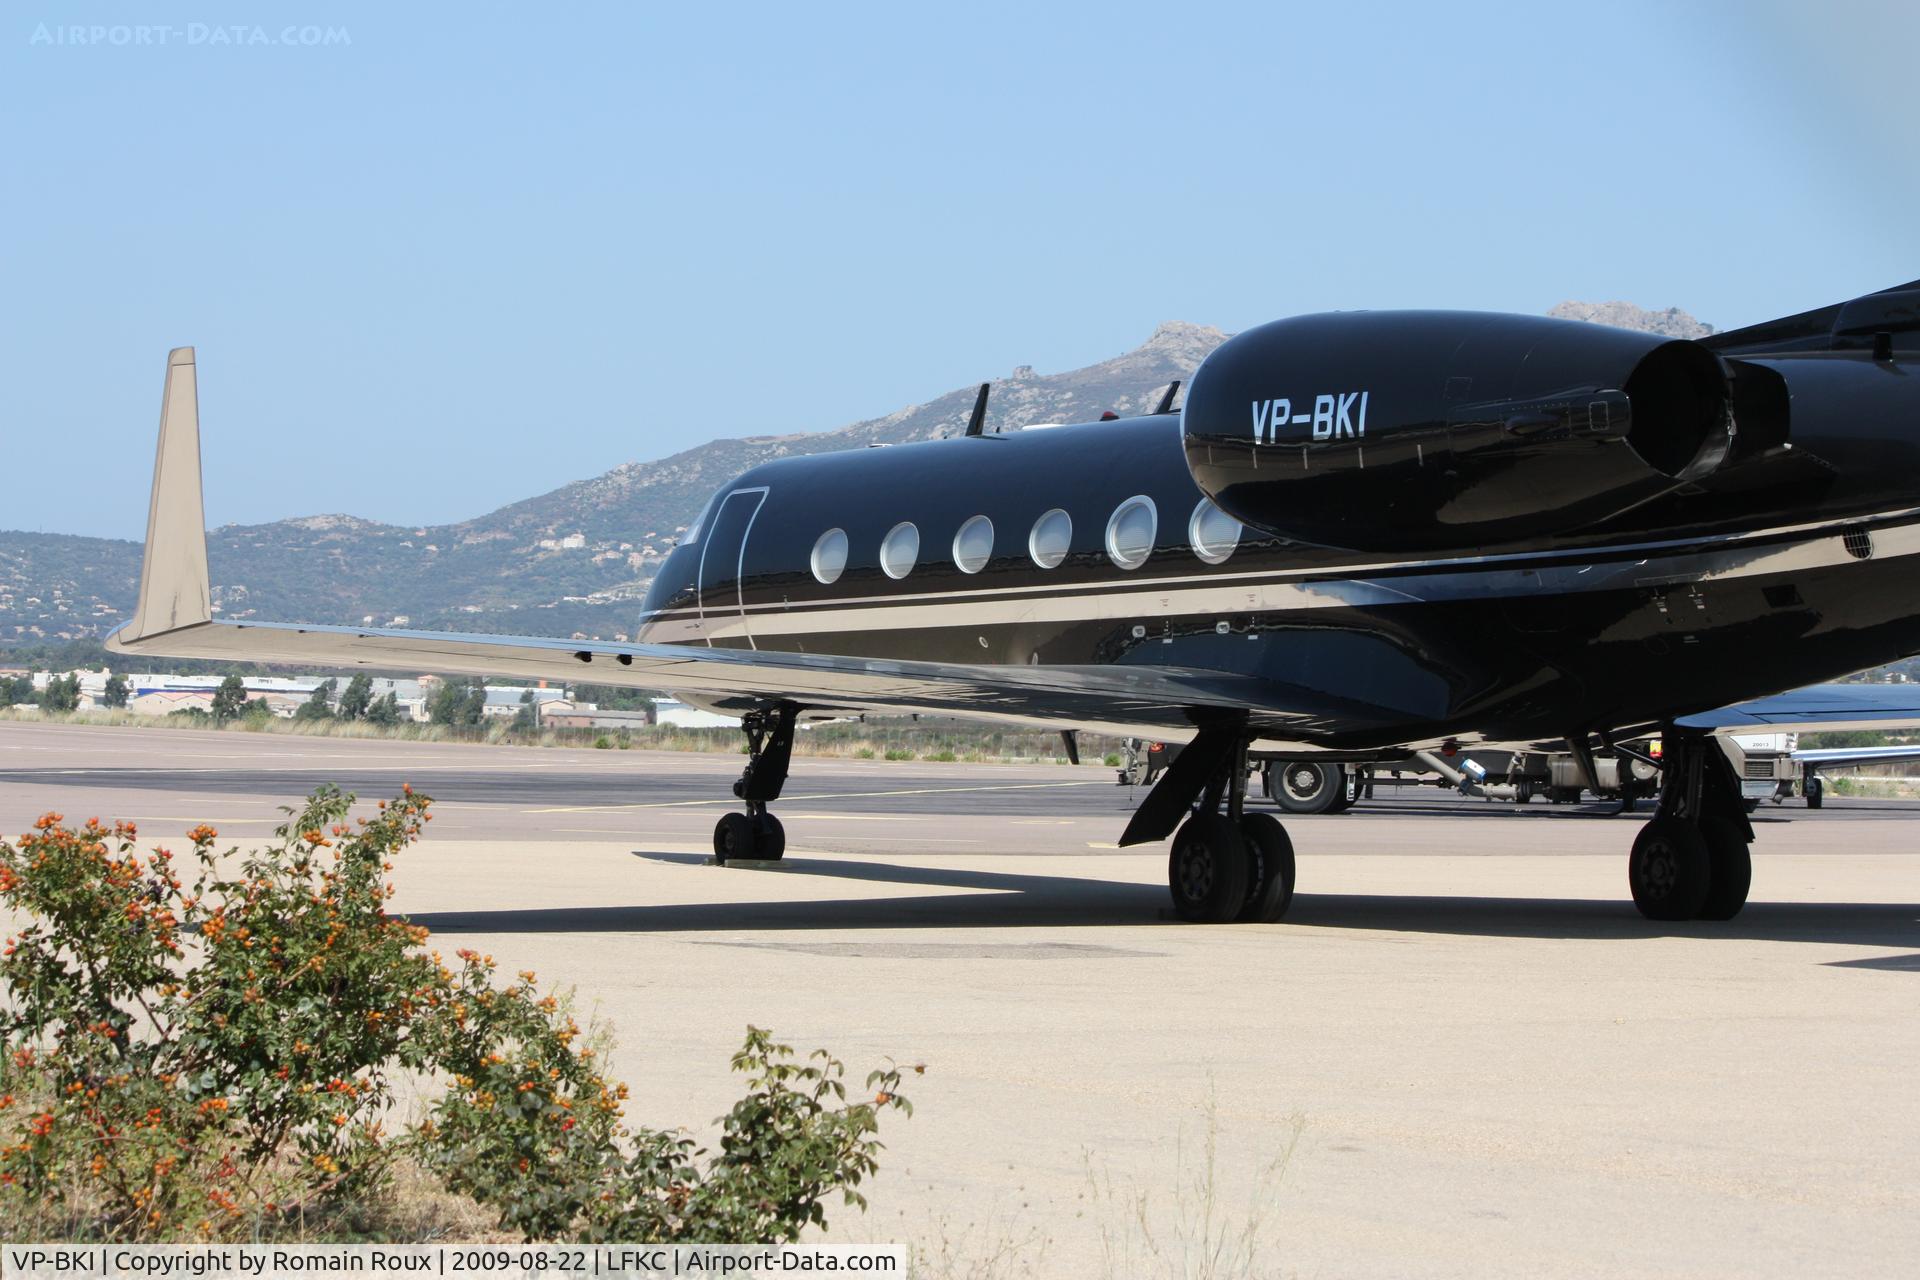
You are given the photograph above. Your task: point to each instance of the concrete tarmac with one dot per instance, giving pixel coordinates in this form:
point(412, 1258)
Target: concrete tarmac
point(1463, 1053)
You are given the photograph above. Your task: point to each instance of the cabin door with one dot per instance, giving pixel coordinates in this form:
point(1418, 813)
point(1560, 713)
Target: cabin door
point(723, 555)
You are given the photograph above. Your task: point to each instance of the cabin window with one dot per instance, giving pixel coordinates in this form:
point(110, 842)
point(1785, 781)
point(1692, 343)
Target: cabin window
point(1131, 531)
point(1212, 533)
point(973, 545)
point(1051, 537)
point(830, 556)
point(900, 550)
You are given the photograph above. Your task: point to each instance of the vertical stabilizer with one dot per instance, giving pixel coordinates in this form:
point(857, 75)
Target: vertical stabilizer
point(174, 590)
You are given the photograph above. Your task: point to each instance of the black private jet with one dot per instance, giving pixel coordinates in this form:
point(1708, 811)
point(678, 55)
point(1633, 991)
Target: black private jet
point(1362, 532)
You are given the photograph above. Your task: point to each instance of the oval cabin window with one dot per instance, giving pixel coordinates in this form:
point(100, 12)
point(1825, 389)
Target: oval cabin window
point(1051, 538)
point(973, 545)
point(830, 556)
point(1131, 531)
point(900, 550)
point(1212, 533)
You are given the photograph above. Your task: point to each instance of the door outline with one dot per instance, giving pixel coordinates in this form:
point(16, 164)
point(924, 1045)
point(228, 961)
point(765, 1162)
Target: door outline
point(739, 565)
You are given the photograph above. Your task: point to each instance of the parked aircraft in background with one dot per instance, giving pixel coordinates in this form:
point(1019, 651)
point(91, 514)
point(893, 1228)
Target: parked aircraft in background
point(1363, 533)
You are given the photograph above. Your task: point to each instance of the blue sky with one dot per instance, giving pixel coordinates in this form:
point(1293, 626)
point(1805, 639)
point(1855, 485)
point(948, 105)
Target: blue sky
point(475, 251)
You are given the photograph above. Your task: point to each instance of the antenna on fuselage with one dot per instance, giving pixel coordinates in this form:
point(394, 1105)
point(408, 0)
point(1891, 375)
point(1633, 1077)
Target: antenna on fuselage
point(978, 421)
point(1166, 401)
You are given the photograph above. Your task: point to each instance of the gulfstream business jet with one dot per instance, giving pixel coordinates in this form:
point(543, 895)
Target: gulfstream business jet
point(1362, 533)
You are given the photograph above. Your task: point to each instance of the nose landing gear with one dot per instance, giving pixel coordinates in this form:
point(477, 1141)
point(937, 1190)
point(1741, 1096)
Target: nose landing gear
point(757, 835)
point(1225, 863)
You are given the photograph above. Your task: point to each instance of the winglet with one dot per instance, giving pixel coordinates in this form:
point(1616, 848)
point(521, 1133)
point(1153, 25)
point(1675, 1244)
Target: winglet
point(174, 589)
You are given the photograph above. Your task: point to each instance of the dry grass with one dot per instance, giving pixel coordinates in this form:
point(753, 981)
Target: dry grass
point(1195, 1234)
point(979, 1252)
point(1188, 1226)
point(1867, 786)
point(878, 740)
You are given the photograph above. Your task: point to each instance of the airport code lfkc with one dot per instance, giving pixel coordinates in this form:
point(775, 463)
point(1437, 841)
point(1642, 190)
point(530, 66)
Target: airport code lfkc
point(274, 1262)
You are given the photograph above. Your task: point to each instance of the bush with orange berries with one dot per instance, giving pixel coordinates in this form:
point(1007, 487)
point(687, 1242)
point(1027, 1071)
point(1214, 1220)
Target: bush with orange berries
point(218, 1058)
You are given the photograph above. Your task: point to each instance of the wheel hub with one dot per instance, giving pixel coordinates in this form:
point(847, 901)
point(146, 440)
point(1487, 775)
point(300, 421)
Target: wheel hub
point(1661, 868)
point(1196, 870)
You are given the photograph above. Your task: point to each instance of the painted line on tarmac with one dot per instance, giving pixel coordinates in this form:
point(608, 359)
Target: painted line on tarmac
point(904, 840)
point(225, 822)
point(27, 775)
point(844, 795)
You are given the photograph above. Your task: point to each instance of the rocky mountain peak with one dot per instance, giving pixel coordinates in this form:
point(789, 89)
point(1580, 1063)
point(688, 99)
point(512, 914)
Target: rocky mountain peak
point(337, 523)
point(1670, 323)
point(1179, 341)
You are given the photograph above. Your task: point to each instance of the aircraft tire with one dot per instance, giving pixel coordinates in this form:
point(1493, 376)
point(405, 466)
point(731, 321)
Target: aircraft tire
point(733, 838)
point(1731, 863)
point(769, 839)
point(1522, 790)
point(1307, 787)
point(1816, 792)
point(1670, 870)
point(1270, 869)
point(1207, 870)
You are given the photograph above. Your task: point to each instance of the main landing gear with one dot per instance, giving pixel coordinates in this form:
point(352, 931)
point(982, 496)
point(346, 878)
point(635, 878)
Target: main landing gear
point(1225, 863)
point(757, 835)
point(1691, 860)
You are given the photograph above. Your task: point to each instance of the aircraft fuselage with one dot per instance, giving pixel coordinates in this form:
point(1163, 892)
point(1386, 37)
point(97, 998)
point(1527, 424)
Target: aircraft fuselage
point(1692, 600)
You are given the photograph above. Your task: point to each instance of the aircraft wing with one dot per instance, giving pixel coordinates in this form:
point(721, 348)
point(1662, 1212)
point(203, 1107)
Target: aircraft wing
point(1817, 708)
point(1856, 755)
point(1122, 700)
point(174, 618)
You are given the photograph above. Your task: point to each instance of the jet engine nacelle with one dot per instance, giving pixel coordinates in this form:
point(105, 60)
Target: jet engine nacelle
point(1425, 431)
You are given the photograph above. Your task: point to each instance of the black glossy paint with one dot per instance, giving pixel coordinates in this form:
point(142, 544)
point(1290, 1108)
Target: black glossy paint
point(1417, 431)
point(1459, 596)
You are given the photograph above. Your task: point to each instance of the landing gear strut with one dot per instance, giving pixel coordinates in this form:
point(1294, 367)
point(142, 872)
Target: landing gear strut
point(1225, 863)
point(757, 835)
point(1691, 860)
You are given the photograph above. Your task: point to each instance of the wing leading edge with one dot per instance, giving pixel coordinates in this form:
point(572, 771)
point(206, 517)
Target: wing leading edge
point(1121, 700)
point(1818, 707)
point(174, 618)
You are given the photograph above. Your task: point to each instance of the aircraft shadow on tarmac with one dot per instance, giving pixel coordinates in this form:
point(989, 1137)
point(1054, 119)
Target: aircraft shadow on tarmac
point(1006, 899)
point(1015, 900)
